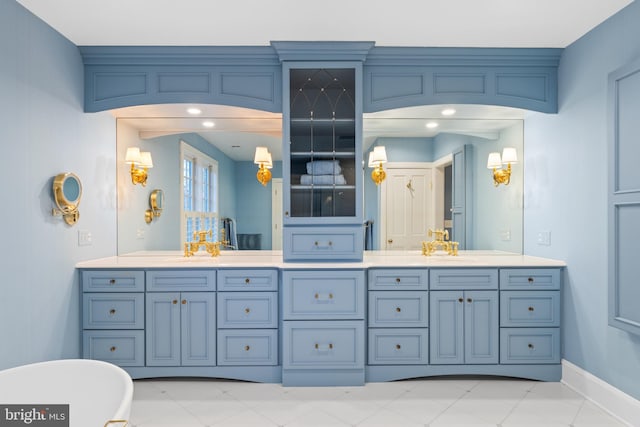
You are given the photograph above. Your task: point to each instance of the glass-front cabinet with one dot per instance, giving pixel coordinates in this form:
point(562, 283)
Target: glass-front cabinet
point(322, 161)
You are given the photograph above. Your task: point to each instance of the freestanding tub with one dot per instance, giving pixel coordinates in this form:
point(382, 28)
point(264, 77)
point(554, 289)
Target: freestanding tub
point(98, 393)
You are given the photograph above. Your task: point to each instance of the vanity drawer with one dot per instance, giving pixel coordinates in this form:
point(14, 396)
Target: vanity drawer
point(247, 310)
point(181, 280)
point(529, 345)
point(385, 279)
point(123, 348)
point(323, 294)
point(537, 308)
point(113, 310)
point(530, 278)
point(112, 281)
point(398, 346)
point(322, 243)
point(248, 347)
point(468, 279)
point(247, 280)
point(399, 309)
point(323, 345)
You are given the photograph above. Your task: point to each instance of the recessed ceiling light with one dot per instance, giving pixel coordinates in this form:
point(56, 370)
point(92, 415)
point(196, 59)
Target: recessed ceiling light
point(194, 111)
point(208, 124)
point(431, 125)
point(448, 112)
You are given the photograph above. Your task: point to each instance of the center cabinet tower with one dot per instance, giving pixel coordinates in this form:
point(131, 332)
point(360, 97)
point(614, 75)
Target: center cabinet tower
point(322, 161)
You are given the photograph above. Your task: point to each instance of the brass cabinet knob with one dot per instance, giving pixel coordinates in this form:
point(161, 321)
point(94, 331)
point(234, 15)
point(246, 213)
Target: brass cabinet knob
point(531, 308)
point(112, 281)
point(469, 300)
point(247, 348)
point(530, 280)
point(247, 310)
point(315, 243)
point(330, 346)
point(316, 296)
point(175, 301)
point(398, 309)
point(330, 243)
point(184, 301)
point(460, 299)
point(530, 346)
point(286, 213)
point(112, 311)
point(398, 346)
point(330, 296)
point(390, 241)
point(112, 349)
point(397, 280)
point(247, 280)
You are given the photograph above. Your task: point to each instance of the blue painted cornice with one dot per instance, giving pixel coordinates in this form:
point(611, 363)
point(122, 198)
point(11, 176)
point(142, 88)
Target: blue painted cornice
point(464, 57)
point(179, 55)
point(322, 51)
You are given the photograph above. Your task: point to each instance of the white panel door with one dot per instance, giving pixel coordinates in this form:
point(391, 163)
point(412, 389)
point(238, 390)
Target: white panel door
point(276, 214)
point(409, 208)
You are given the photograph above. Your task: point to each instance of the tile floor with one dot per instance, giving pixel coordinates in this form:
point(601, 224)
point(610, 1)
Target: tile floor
point(460, 401)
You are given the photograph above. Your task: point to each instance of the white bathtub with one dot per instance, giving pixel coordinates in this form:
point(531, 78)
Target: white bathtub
point(97, 392)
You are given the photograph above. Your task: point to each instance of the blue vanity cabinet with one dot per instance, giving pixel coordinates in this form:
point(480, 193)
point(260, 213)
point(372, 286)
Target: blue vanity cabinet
point(180, 322)
point(322, 161)
point(530, 316)
point(464, 326)
point(323, 327)
point(113, 316)
point(247, 310)
point(398, 316)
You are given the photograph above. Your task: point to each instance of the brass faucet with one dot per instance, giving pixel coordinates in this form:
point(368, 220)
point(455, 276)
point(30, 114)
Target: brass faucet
point(190, 248)
point(441, 241)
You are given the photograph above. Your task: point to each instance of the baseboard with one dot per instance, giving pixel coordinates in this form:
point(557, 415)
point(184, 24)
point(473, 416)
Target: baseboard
point(614, 401)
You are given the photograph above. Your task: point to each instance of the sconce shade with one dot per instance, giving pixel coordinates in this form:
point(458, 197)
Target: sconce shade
point(509, 155)
point(378, 155)
point(133, 156)
point(145, 160)
point(494, 161)
point(262, 156)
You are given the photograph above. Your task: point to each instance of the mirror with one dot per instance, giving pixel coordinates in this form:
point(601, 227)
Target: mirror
point(156, 202)
point(494, 213)
point(67, 191)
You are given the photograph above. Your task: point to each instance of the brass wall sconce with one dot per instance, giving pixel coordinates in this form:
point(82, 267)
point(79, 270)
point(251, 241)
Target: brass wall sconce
point(140, 162)
point(263, 158)
point(377, 158)
point(67, 191)
point(502, 175)
point(156, 202)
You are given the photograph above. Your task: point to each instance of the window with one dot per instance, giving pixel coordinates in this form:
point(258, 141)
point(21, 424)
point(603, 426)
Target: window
point(199, 194)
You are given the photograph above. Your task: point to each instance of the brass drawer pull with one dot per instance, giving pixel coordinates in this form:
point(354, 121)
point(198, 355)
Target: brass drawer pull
point(247, 348)
point(112, 349)
point(112, 311)
point(531, 308)
point(317, 346)
point(330, 296)
point(316, 296)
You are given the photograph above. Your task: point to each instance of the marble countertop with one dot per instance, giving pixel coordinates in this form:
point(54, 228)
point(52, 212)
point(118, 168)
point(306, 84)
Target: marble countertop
point(273, 259)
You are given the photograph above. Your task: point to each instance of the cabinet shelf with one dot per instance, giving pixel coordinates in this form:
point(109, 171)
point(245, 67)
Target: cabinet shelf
point(323, 154)
point(300, 187)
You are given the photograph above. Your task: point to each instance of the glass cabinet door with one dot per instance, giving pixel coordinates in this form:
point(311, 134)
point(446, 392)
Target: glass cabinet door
point(322, 164)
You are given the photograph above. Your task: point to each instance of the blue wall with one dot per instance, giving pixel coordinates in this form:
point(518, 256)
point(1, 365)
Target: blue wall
point(566, 193)
point(44, 131)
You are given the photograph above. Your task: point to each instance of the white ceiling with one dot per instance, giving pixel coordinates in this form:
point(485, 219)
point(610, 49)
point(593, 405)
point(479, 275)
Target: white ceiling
point(463, 23)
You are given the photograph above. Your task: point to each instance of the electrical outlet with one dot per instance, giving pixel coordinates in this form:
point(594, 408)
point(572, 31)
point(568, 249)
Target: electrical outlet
point(505, 235)
point(84, 238)
point(140, 234)
point(544, 238)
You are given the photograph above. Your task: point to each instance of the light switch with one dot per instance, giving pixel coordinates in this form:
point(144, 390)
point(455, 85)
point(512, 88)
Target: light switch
point(84, 238)
point(544, 238)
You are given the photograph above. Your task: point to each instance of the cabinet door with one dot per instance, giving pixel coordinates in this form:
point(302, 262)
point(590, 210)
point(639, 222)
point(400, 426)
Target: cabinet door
point(446, 322)
point(163, 329)
point(198, 328)
point(481, 328)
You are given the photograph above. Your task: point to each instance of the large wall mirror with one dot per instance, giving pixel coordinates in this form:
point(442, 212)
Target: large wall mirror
point(229, 136)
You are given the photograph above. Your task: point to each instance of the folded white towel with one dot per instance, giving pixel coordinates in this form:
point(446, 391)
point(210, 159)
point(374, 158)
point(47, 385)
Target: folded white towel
point(322, 180)
point(324, 167)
